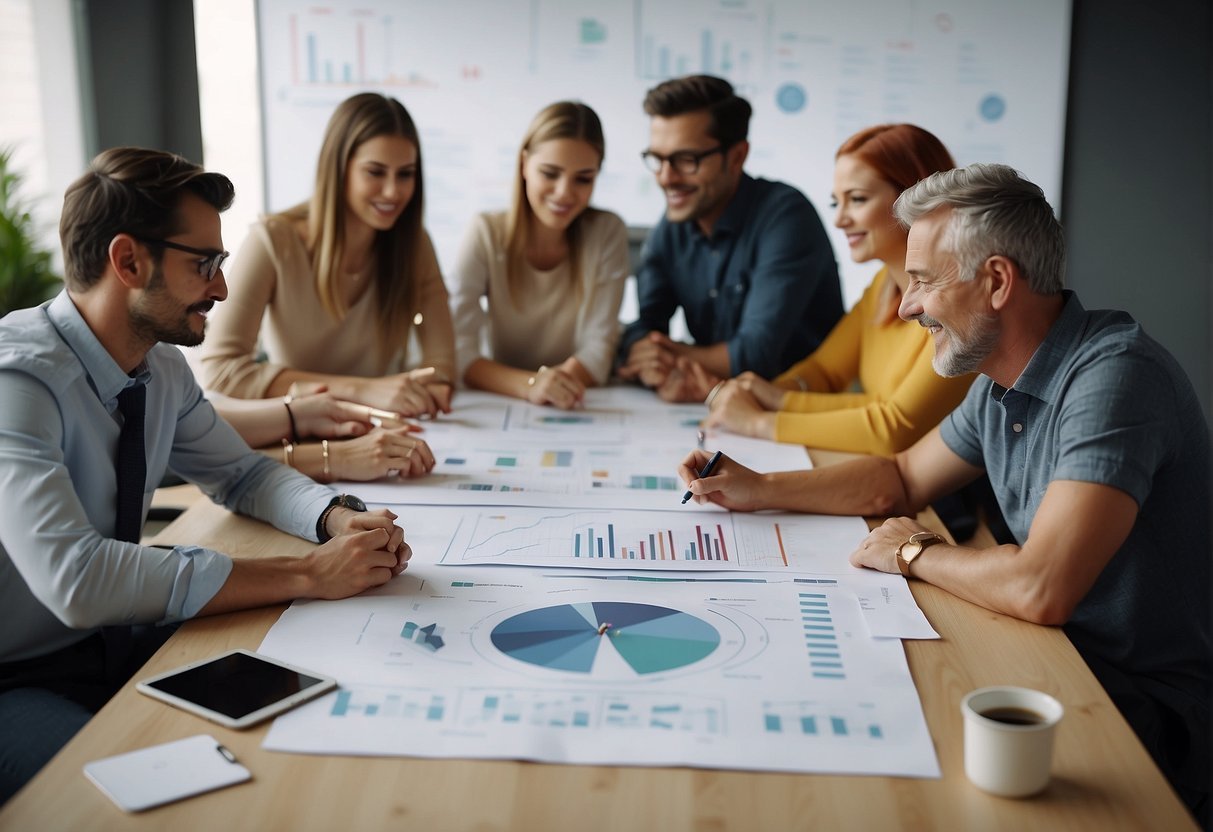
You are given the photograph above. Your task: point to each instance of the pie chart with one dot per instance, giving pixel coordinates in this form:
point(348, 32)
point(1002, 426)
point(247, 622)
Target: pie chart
point(650, 639)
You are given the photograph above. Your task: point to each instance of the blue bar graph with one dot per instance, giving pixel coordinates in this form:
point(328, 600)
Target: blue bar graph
point(825, 661)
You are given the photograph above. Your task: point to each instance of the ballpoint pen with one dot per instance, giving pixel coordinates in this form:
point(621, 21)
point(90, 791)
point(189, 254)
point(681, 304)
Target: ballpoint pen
point(707, 469)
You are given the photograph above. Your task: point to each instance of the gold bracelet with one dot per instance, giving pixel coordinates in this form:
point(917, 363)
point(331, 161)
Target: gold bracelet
point(714, 391)
point(288, 453)
point(324, 445)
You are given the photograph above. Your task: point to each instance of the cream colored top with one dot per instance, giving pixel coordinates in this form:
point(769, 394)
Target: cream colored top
point(549, 325)
point(272, 294)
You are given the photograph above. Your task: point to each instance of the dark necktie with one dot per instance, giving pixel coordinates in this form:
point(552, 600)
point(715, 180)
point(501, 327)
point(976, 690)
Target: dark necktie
point(131, 471)
point(131, 466)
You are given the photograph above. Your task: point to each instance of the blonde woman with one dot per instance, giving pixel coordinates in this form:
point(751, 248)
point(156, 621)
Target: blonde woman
point(551, 268)
point(334, 288)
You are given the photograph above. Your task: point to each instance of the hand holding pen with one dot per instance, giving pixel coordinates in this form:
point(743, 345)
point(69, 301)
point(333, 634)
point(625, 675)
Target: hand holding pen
point(715, 478)
point(704, 472)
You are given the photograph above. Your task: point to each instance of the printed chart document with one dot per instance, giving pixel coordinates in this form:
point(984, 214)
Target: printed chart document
point(679, 540)
point(509, 663)
point(816, 548)
point(621, 450)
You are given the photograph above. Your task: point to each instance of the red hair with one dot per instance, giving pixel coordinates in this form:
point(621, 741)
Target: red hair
point(901, 154)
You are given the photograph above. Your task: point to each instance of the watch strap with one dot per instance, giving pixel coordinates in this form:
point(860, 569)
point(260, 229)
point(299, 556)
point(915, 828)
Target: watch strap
point(340, 501)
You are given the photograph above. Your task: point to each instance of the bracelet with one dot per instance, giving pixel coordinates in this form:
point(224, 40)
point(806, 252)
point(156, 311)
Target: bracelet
point(530, 382)
point(324, 445)
point(286, 402)
point(288, 454)
point(714, 391)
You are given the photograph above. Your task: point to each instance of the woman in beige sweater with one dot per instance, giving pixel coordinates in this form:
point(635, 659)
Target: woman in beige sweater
point(334, 289)
point(551, 268)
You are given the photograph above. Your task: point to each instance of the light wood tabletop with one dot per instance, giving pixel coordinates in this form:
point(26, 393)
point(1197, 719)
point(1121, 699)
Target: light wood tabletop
point(1102, 776)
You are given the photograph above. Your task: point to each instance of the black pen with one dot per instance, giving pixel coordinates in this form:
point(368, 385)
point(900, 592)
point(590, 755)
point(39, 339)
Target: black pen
point(707, 469)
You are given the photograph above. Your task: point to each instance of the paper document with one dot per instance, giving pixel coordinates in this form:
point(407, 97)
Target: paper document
point(507, 663)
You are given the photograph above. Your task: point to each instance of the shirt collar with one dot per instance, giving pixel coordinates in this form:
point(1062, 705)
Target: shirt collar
point(102, 370)
point(1041, 379)
point(735, 213)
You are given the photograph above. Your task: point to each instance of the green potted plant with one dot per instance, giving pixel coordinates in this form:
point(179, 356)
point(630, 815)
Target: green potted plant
point(26, 274)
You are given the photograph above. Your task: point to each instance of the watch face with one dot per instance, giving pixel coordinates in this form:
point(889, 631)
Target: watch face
point(350, 501)
point(911, 550)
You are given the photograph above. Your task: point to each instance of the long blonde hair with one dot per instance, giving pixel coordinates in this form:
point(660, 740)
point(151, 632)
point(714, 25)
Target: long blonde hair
point(562, 120)
point(398, 250)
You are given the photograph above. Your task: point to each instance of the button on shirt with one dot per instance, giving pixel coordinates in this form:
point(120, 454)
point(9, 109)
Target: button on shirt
point(765, 282)
point(1102, 402)
point(62, 574)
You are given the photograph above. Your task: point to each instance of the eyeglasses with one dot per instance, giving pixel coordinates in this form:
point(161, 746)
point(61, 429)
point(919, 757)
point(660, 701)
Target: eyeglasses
point(685, 162)
point(208, 267)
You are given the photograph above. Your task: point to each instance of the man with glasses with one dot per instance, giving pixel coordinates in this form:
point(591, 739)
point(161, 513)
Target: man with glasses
point(746, 259)
point(98, 404)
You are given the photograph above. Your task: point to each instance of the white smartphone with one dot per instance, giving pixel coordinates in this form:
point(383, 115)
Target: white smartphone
point(236, 689)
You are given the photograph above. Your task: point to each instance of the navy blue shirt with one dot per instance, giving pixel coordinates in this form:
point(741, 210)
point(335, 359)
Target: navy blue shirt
point(765, 282)
point(1103, 402)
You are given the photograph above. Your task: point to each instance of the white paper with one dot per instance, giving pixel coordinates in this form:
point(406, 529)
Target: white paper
point(492, 467)
point(816, 548)
point(509, 663)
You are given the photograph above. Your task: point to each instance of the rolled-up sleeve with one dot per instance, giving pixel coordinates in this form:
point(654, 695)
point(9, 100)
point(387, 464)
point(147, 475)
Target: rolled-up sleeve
point(81, 576)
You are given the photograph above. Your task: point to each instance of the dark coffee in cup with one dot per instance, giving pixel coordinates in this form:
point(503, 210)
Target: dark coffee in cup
point(1013, 716)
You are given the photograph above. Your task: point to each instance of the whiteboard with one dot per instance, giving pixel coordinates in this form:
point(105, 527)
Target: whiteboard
point(987, 76)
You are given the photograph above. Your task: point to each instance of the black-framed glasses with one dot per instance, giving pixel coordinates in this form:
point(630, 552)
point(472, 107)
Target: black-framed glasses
point(208, 267)
point(685, 162)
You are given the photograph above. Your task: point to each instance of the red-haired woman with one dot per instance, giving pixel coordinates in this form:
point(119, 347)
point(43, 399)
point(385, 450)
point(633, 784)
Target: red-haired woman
point(900, 396)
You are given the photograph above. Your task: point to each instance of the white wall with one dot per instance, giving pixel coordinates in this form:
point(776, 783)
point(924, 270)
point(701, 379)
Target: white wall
point(40, 102)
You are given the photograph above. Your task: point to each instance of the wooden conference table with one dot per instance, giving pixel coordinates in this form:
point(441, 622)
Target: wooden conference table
point(1102, 776)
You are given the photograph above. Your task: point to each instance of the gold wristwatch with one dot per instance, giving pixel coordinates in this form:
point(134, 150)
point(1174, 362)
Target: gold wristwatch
point(914, 547)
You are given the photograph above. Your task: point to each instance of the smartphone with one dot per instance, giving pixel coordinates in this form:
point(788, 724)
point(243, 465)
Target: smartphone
point(236, 689)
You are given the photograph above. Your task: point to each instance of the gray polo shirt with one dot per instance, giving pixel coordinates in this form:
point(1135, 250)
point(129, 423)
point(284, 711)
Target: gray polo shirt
point(1102, 402)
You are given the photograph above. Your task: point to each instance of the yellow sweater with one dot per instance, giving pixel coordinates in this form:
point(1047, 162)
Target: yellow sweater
point(902, 399)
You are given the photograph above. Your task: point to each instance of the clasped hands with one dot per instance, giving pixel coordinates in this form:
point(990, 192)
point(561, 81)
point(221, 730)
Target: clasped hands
point(557, 386)
point(745, 405)
point(367, 549)
point(656, 361)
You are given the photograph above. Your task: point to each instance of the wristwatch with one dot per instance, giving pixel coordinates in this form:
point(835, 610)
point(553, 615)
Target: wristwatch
point(912, 548)
point(340, 501)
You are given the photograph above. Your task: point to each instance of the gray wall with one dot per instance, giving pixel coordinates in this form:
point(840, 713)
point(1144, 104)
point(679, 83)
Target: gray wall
point(140, 75)
point(1138, 182)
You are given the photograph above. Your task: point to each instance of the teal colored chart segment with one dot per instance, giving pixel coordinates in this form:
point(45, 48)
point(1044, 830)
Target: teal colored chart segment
point(649, 638)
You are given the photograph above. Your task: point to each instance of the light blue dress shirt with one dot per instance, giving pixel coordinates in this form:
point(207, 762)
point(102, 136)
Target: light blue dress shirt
point(62, 575)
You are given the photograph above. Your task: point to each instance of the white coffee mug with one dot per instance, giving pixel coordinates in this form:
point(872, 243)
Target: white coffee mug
point(1008, 739)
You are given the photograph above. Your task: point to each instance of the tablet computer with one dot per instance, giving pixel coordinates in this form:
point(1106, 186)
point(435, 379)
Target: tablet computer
point(236, 689)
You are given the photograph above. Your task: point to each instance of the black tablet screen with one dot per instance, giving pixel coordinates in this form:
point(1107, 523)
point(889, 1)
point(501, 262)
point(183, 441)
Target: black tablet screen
point(235, 685)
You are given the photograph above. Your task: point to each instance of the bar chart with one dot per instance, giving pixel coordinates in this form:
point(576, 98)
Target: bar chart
point(814, 719)
point(820, 637)
point(521, 707)
point(596, 538)
point(390, 703)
